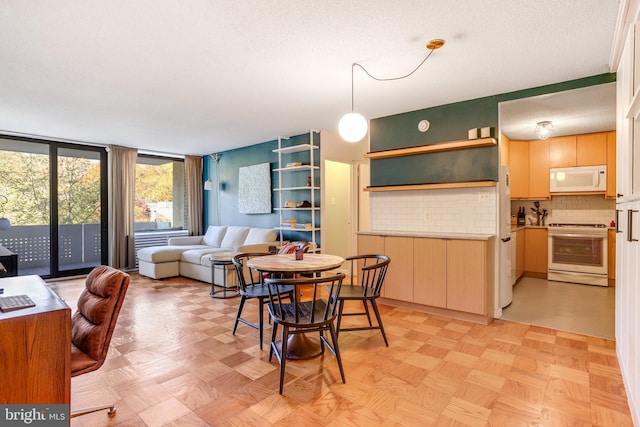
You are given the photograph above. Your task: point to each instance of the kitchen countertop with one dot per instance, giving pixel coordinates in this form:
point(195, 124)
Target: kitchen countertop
point(429, 234)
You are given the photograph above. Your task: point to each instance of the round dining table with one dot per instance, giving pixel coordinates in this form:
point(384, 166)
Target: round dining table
point(299, 346)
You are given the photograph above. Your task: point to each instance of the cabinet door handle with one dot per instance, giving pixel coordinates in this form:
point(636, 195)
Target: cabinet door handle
point(630, 213)
point(618, 221)
point(619, 195)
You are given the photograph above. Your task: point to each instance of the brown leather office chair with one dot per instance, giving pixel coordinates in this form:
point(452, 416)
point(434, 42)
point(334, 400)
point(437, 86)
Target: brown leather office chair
point(93, 323)
point(315, 313)
point(251, 286)
point(367, 274)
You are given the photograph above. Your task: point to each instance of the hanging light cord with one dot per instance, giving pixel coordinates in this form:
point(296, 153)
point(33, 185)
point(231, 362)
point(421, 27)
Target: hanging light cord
point(432, 45)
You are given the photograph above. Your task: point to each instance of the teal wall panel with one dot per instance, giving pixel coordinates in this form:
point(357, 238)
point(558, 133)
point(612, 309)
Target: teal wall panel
point(449, 122)
point(229, 164)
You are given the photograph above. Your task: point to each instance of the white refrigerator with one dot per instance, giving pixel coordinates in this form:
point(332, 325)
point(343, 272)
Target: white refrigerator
point(504, 231)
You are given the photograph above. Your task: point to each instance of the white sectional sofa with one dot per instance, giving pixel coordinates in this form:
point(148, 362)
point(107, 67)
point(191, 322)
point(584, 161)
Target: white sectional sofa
point(191, 256)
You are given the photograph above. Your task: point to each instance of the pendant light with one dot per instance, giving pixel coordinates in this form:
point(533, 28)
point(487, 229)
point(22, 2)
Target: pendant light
point(353, 126)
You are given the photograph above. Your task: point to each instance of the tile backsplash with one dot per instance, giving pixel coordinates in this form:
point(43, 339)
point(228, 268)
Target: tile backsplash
point(460, 210)
point(587, 209)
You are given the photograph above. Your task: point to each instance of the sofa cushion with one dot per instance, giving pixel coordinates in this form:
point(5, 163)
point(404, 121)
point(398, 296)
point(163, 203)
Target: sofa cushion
point(156, 254)
point(214, 235)
point(260, 235)
point(234, 237)
point(199, 255)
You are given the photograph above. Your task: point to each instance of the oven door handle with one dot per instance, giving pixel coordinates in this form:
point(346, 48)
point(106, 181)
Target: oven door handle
point(580, 235)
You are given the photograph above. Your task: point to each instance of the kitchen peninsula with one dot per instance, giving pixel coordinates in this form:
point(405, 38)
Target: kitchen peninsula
point(449, 274)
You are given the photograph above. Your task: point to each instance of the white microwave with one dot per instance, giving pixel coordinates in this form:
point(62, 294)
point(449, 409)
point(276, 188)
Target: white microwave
point(578, 179)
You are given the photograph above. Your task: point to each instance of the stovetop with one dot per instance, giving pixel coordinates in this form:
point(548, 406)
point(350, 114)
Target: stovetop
point(556, 224)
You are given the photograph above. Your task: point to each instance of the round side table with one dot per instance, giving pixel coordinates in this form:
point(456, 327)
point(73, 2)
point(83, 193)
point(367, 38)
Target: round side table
point(222, 261)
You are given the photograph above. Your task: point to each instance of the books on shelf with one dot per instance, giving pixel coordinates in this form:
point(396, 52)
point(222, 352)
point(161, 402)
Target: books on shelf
point(293, 164)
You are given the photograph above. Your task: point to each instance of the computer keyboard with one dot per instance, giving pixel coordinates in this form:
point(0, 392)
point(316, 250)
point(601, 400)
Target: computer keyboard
point(15, 302)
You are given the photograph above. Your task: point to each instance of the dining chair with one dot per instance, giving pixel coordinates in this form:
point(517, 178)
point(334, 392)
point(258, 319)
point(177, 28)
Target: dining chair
point(367, 273)
point(314, 312)
point(251, 286)
point(93, 323)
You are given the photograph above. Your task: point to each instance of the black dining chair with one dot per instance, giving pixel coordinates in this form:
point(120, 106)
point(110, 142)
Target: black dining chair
point(367, 274)
point(314, 312)
point(251, 286)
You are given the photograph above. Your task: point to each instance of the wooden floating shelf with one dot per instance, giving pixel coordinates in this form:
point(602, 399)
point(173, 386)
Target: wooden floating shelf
point(472, 184)
point(433, 148)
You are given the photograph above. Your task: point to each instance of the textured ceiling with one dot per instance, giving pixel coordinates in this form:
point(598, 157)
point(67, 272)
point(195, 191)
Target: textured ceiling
point(572, 112)
point(204, 76)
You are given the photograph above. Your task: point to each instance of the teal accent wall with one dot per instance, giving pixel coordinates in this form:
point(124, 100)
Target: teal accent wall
point(449, 122)
point(229, 164)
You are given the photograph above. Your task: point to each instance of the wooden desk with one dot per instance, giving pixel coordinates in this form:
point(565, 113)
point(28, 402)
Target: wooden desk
point(35, 346)
point(299, 346)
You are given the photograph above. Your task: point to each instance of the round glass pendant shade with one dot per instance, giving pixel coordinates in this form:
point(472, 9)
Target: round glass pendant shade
point(4, 223)
point(352, 127)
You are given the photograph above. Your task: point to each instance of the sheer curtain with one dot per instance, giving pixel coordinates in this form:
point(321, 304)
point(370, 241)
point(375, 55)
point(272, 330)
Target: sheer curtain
point(122, 178)
point(193, 176)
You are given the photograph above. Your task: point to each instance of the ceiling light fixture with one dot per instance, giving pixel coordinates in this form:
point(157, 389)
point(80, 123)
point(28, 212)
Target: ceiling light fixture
point(353, 126)
point(543, 130)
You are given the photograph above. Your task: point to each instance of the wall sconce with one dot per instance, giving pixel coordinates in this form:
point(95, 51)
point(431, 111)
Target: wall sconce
point(543, 130)
point(4, 222)
point(208, 184)
point(353, 126)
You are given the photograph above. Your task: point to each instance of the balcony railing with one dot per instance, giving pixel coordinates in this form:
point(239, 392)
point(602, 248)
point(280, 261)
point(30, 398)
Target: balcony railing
point(79, 247)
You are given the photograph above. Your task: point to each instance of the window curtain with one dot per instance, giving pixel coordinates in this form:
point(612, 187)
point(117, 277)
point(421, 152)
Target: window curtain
point(122, 179)
point(193, 174)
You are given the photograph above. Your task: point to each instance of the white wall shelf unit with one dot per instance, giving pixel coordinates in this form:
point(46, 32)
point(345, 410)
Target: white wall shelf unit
point(299, 183)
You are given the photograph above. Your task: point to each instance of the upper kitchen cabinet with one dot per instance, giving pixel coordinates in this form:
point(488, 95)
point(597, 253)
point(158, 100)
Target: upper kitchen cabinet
point(505, 146)
point(519, 168)
point(539, 169)
point(578, 150)
point(562, 151)
point(591, 149)
point(611, 165)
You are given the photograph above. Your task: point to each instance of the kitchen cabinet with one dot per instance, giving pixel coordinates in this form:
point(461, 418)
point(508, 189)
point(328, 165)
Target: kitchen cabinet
point(562, 151)
point(399, 279)
point(467, 262)
point(452, 274)
point(519, 168)
point(611, 166)
point(591, 149)
point(430, 272)
point(539, 170)
point(536, 252)
point(505, 145)
point(520, 251)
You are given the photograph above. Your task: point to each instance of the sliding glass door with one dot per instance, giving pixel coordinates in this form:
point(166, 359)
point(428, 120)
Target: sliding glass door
point(56, 204)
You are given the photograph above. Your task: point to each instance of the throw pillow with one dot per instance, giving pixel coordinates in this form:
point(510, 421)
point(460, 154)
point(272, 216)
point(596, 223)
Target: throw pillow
point(234, 237)
point(260, 235)
point(214, 235)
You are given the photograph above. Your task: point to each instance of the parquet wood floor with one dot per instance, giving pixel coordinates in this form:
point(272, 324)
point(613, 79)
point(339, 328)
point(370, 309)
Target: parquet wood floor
point(174, 362)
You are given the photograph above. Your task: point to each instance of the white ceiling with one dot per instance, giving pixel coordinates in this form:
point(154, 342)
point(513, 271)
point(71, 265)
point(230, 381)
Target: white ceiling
point(572, 112)
point(205, 76)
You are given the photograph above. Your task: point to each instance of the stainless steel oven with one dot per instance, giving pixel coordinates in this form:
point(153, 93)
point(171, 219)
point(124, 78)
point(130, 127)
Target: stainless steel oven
point(578, 253)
